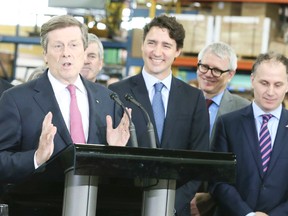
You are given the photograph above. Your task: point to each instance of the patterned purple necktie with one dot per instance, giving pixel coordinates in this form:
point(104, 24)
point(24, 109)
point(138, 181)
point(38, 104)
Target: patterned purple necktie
point(76, 127)
point(265, 142)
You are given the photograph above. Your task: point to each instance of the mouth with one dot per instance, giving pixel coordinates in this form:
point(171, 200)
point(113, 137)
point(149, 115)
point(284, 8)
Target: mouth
point(85, 68)
point(208, 81)
point(66, 64)
point(156, 61)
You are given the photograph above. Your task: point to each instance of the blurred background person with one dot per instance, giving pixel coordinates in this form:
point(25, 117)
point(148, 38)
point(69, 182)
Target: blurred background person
point(217, 64)
point(94, 58)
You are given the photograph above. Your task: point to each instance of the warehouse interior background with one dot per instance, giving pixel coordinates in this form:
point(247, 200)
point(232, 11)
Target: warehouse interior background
point(250, 27)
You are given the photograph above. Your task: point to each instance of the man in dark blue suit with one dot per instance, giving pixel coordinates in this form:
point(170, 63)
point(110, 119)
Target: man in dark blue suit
point(35, 116)
point(261, 186)
point(186, 118)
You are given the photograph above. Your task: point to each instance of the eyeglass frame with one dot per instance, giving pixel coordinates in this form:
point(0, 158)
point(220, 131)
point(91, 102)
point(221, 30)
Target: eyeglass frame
point(212, 70)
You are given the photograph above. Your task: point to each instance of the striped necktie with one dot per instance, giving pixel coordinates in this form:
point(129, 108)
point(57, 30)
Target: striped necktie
point(265, 141)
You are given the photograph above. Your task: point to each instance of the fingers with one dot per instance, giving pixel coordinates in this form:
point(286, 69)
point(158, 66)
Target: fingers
point(109, 122)
point(125, 121)
point(46, 141)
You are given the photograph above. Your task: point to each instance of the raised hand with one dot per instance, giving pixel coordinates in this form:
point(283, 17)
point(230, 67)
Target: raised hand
point(120, 135)
point(46, 141)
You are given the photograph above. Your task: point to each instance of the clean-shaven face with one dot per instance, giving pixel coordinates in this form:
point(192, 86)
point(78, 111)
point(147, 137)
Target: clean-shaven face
point(159, 52)
point(209, 84)
point(65, 53)
point(92, 63)
point(270, 85)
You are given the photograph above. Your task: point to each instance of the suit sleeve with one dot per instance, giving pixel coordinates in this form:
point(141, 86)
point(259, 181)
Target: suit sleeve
point(280, 210)
point(200, 126)
point(226, 195)
point(15, 162)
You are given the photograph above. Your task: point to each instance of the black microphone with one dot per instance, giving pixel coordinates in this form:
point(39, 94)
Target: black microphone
point(132, 130)
point(150, 127)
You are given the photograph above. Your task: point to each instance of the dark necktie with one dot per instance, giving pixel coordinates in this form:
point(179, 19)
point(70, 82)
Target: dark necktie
point(265, 141)
point(208, 103)
point(158, 109)
point(76, 127)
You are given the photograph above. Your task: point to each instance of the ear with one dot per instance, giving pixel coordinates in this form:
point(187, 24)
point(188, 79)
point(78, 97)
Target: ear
point(45, 58)
point(230, 75)
point(178, 52)
point(252, 77)
point(101, 63)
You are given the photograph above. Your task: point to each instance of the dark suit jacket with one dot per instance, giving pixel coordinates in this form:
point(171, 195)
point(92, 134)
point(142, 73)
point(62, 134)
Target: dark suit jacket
point(186, 125)
point(229, 103)
point(4, 85)
point(253, 191)
point(23, 109)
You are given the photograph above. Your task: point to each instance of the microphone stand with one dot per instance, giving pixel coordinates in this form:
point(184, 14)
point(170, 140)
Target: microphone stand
point(132, 130)
point(150, 127)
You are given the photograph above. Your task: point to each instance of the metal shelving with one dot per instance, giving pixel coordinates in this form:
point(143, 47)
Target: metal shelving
point(36, 41)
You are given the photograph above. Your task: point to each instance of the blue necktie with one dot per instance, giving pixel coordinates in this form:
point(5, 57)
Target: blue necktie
point(265, 142)
point(158, 109)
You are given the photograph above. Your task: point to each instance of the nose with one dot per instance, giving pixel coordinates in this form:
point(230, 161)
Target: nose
point(157, 50)
point(270, 90)
point(66, 51)
point(86, 59)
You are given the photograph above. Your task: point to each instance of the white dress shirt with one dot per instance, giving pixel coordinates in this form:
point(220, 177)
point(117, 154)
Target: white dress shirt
point(151, 80)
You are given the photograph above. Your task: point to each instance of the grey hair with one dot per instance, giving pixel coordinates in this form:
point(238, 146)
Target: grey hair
point(59, 22)
point(92, 38)
point(222, 50)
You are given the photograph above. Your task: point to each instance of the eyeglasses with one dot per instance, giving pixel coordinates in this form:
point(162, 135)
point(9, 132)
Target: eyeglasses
point(203, 68)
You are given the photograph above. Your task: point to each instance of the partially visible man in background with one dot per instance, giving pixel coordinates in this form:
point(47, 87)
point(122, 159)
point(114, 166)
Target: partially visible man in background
point(94, 58)
point(217, 64)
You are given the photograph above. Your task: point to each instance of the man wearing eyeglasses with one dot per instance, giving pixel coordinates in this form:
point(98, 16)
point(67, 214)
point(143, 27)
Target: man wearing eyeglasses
point(217, 63)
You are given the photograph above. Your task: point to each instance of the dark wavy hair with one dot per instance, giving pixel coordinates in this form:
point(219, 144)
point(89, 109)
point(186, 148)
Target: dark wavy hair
point(176, 30)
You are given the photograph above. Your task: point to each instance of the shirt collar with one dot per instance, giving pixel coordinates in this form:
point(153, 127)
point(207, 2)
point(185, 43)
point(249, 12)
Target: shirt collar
point(150, 80)
point(217, 99)
point(58, 86)
point(257, 111)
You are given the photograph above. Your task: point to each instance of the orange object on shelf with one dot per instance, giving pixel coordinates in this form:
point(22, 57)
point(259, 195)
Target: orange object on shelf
point(185, 61)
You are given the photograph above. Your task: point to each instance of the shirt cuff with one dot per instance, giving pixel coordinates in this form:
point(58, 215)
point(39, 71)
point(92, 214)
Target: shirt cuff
point(36, 165)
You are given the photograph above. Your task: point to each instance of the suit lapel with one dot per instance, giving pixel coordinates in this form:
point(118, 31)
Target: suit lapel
point(95, 100)
point(171, 115)
point(280, 140)
point(140, 93)
point(224, 107)
point(250, 132)
point(44, 96)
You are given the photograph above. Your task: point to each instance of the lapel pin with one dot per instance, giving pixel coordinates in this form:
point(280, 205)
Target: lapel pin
point(286, 126)
point(97, 101)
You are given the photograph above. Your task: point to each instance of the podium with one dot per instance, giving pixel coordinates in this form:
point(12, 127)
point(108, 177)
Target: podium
point(156, 170)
